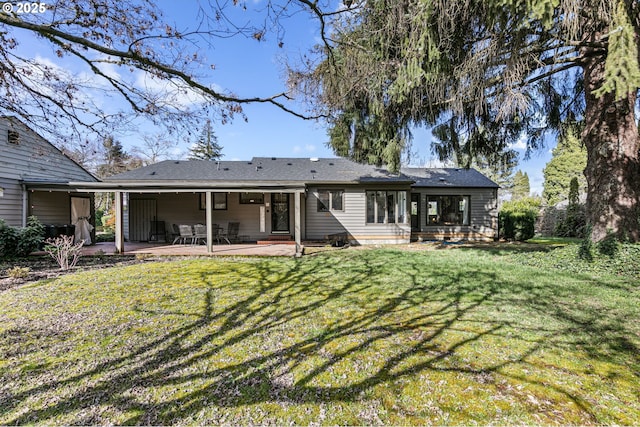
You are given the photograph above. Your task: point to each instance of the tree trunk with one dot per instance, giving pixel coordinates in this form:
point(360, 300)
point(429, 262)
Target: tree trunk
point(613, 159)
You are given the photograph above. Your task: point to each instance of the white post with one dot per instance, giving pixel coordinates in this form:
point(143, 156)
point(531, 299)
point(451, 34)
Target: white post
point(297, 221)
point(119, 227)
point(209, 214)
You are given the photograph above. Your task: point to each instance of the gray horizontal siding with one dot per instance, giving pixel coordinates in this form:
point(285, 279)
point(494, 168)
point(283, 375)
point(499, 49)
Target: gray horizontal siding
point(34, 158)
point(11, 202)
point(483, 213)
point(352, 220)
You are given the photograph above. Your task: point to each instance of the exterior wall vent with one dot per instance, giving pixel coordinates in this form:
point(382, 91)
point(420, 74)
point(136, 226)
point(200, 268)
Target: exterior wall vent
point(13, 137)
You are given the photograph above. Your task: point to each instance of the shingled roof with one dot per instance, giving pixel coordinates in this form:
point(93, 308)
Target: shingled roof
point(448, 177)
point(263, 170)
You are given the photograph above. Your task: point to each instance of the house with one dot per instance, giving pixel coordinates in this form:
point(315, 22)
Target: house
point(303, 199)
point(34, 179)
point(452, 203)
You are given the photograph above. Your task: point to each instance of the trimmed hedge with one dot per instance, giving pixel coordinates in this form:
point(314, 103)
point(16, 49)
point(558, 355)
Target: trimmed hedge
point(517, 219)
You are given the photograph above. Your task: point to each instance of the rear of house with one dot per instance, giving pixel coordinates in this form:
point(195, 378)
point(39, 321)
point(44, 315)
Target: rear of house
point(452, 203)
point(34, 179)
point(296, 199)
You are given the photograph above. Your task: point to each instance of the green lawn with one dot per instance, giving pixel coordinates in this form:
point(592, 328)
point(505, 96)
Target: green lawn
point(359, 336)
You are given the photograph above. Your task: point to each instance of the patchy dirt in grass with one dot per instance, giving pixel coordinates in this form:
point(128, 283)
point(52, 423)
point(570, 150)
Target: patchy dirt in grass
point(41, 267)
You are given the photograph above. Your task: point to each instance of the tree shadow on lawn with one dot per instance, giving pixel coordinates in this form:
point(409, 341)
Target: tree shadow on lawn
point(425, 320)
point(499, 248)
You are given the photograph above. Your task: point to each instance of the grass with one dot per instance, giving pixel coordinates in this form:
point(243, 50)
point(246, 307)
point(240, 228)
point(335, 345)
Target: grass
point(360, 336)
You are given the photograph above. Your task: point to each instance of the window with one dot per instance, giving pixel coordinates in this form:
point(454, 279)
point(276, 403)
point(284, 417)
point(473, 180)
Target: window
point(252, 198)
point(386, 207)
point(330, 200)
point(219, 201)
point(448, 210)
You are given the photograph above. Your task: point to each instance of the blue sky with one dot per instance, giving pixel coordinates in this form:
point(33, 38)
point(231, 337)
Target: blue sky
point(251, 68)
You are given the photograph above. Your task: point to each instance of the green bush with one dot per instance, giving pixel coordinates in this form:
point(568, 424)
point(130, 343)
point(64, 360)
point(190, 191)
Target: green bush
point(20, 241)
point(517, 218)
point(108, 236)
point(8, 240)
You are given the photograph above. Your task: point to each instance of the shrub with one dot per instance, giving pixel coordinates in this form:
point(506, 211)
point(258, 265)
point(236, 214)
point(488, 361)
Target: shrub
point(517, 218)
point(574, 224)
point(18, 272)
point(19, 242)
point(109, 236)
point(64, 251)
point(8, 240)
point(585, 252)
point(30, 237)
point(609, 246)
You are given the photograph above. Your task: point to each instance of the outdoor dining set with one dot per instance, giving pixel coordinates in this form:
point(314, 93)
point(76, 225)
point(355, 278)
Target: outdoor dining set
point(197, 234)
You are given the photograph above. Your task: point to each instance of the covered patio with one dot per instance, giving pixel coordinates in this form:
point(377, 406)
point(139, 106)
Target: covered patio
point(160, 249)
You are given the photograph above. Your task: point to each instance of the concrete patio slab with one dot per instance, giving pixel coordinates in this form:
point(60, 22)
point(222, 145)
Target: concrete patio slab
point(160, 249)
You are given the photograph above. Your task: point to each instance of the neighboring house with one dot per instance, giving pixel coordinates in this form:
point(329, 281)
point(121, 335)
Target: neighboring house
point(34, 179)
point(305, 199)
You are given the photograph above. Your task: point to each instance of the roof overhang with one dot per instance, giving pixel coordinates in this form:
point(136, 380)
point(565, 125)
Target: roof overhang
point(218, 186)
point(44, 185)
point(186, 186)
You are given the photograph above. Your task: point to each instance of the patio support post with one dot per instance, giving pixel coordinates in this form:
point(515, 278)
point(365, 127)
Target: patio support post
point(119, 228)
point(209, 215)
point(297, 221)
point(25, 205)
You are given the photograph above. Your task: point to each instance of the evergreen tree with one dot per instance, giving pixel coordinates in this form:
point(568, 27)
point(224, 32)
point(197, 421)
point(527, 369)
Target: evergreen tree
point(568, 162)
point(489, 73)
point(574, 223)
point(521, 186)
point(206, 147)
point(574, 192)
point(115, 159)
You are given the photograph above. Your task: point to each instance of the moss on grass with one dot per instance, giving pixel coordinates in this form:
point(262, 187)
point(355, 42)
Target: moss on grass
point(458, 336)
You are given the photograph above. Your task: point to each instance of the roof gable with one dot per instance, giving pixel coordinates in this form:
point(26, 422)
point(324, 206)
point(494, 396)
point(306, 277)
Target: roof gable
point(26, 156)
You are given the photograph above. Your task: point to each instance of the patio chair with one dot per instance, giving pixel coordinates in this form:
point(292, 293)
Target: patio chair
point(217, 231)
point(199, 233)
point(157, 232)
point(186, 234)
point(175, 234)
point(232, 232)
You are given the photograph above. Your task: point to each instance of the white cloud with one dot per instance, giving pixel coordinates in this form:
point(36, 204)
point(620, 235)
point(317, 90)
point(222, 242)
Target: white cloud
point(520, 144)
point(171, 92)
point(308, 148)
